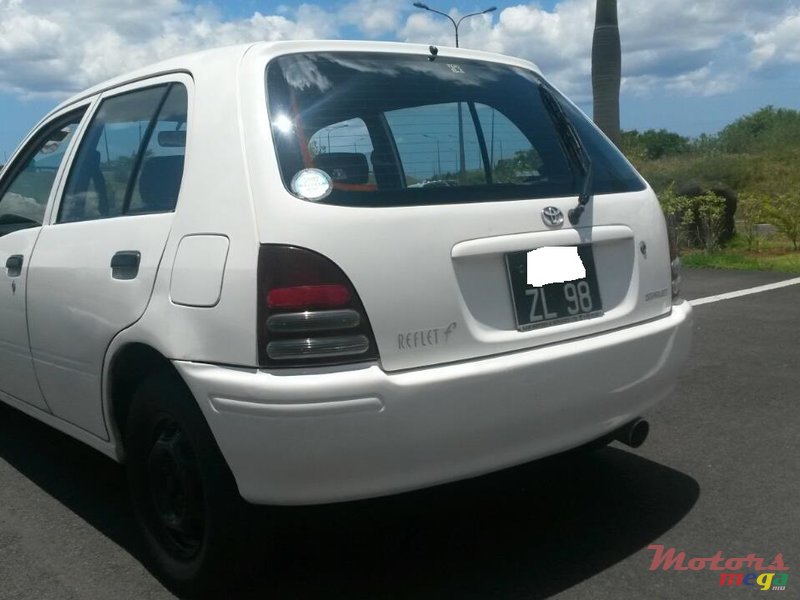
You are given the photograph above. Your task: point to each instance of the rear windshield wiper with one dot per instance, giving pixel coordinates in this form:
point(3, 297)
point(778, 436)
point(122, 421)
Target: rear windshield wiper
point(576, 151)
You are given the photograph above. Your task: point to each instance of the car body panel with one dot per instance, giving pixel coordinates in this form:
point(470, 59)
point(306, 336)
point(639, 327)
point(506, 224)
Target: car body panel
point(344, 433)
point(17, 378)
point(74, 313)
point(73, 294)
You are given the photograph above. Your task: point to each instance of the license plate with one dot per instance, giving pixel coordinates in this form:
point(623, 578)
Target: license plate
point(554, 303)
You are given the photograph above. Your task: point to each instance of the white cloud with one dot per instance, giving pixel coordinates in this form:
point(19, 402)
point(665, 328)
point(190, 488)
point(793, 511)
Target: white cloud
point(374, 17)
point(780, 45)
point(703, 81)
point(52, 47)
point(693, 49)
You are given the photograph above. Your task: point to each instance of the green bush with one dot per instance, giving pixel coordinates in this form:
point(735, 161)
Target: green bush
point(769, 129)
point(696, 221)
point(784, 212)
point(758, 154)
point(676, 209)
point(709, 211)
point(752, 210)
point(652, 144)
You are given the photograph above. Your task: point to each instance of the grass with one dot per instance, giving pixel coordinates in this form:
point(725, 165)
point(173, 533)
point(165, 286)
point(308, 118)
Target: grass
point(773, 254)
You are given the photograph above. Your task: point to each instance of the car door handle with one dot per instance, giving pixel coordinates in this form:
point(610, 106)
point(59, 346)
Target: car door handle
point(125, 264)
point(14, 265)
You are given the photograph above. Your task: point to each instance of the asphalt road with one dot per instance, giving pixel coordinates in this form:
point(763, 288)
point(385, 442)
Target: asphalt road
point(720, 472)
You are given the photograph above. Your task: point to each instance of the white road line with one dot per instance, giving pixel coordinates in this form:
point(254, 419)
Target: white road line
point(747, 292)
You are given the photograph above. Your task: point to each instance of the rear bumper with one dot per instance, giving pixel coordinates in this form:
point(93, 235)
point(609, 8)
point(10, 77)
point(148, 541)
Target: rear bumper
point(333, 434)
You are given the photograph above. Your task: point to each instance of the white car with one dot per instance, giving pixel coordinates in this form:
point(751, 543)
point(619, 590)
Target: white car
point(221, 271)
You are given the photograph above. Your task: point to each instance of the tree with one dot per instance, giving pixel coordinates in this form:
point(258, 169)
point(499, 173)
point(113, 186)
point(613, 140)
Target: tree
point(524, 164)
point(606, 69)
point(769, 129)
point(653, 144)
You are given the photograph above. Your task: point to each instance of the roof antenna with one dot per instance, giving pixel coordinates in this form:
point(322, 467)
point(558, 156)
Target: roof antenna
point(434, 51)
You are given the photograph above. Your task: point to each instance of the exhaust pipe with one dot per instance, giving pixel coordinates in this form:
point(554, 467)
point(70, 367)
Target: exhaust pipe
point(634, 433)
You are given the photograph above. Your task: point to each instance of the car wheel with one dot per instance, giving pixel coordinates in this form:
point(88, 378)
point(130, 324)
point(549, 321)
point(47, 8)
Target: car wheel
point(197, 529)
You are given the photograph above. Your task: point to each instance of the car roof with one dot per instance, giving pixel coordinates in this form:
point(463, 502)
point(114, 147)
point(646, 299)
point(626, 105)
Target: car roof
point(187, 63)
point(198, 61)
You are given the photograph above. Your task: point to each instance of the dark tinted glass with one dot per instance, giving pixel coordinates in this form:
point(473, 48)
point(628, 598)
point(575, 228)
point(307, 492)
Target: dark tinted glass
point(130, 160)
point(159, 179)
point(401, 129)
point(24, 199)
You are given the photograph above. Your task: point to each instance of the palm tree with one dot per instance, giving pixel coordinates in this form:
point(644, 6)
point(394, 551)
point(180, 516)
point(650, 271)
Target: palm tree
point(606, 69)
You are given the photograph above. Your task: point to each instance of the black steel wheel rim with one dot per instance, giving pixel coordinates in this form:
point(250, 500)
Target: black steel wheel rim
point(176, 491)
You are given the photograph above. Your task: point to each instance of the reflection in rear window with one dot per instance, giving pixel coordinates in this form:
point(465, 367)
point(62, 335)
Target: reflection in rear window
point(394, 130)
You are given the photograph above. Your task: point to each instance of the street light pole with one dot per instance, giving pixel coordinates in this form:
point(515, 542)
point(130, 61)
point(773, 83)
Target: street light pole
point(339, 126)
point(455, 23)
point(438, 153)
point(462, 167)
point(461, 157)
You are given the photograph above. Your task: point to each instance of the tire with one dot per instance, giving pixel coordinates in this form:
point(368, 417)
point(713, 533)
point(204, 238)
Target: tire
point(200, 535)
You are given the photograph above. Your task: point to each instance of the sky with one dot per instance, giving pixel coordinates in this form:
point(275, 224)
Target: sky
point(690, 67)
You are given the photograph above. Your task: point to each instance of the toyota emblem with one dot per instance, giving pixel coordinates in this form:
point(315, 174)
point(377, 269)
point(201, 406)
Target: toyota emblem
point(552, 216)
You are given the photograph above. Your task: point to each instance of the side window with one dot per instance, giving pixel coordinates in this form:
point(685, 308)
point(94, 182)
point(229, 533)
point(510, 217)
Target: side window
point(24, 199)
point(131, 157)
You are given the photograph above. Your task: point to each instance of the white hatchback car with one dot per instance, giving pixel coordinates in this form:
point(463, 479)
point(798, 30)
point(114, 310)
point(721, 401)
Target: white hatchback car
point(307, 272)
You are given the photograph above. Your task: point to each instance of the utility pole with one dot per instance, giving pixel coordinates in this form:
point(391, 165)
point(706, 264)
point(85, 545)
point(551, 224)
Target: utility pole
point(339, 126)
point(438, 152)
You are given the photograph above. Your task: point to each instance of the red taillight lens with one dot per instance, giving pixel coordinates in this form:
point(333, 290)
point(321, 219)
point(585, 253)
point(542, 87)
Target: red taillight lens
point(308, 296)
point(308, 312)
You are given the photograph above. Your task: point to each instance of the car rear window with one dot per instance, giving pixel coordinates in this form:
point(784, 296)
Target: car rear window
point(398, 130)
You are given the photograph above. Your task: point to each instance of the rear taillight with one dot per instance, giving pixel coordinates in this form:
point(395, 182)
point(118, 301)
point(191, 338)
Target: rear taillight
point(308, 311)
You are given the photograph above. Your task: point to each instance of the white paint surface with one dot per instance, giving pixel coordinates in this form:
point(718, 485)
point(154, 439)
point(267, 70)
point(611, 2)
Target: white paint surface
point(198, 270)
point(554, 265)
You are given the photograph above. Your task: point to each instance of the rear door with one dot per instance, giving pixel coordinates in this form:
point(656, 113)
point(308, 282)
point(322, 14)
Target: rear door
point(94, 266)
